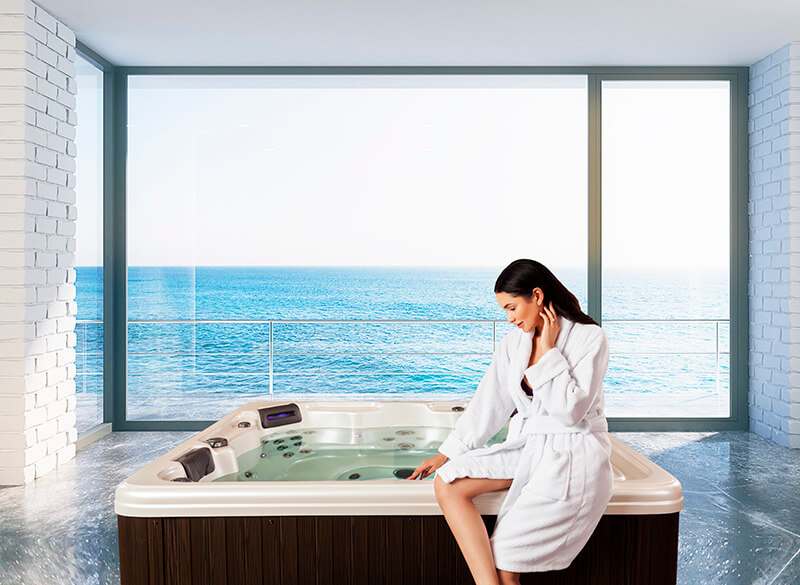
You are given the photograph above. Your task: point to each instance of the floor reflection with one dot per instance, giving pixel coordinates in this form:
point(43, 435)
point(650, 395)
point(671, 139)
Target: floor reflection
point(740, 524)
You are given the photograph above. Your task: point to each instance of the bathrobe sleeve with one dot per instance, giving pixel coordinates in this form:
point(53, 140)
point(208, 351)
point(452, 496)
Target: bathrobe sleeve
point(488, 410)
point(568, 392)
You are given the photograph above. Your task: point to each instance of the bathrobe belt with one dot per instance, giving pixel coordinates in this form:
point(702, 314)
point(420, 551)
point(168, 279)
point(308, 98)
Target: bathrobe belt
point(521, 426)
point(546, 425)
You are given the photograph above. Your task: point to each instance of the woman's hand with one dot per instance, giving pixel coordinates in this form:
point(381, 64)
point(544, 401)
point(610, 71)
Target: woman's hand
point(550, 329)
point(428, 466)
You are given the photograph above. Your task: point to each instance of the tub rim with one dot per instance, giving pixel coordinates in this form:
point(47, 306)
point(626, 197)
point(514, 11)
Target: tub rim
point(145, 494)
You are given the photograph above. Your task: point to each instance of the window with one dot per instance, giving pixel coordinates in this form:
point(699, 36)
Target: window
point(338, 236)
point(666, 246)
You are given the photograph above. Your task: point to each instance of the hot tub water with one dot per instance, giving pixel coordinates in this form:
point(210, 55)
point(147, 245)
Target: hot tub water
point(342, 454)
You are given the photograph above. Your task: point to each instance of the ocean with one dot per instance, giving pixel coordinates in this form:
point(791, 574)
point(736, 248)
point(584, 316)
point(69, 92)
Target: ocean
point(684, 350)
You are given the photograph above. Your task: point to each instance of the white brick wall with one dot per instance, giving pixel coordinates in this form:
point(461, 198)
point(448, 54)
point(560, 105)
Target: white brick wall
point(774, 210)
point(37, 242)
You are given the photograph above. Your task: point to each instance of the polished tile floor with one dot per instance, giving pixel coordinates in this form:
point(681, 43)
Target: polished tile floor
point(740, 524)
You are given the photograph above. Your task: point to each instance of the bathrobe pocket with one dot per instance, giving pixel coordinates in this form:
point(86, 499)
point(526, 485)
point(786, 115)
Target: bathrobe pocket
point(551, 477)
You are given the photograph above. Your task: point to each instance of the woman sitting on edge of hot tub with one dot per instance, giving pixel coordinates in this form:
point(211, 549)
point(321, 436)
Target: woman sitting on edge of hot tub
point(555, 460)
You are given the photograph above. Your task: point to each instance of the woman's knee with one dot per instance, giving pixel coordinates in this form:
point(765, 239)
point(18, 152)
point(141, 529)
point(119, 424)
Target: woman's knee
point(444, 490)
point(440, 488)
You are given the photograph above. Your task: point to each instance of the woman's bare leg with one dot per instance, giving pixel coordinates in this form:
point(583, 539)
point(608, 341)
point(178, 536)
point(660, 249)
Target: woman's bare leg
point(455, 500)
point(507, 577)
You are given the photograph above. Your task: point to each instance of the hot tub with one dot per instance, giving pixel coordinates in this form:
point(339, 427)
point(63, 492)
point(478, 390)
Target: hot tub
point(310, 492)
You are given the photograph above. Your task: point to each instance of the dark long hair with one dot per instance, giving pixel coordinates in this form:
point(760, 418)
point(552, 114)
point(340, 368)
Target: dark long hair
point(522, 276)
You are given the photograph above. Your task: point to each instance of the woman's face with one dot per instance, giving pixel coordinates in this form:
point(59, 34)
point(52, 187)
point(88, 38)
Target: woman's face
point(522, 312)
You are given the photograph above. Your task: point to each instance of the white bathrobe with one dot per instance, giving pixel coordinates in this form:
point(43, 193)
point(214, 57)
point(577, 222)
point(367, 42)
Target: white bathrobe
point(557, 450)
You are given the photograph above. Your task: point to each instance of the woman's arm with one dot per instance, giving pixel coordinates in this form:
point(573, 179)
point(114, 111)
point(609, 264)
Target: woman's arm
point(569, 393)
point(488, 410)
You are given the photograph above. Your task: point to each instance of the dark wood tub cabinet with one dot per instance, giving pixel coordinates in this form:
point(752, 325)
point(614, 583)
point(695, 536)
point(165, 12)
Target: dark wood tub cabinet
point(370, 550)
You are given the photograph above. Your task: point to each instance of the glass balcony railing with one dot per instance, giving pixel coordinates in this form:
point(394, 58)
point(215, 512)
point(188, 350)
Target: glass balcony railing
point(655, 361)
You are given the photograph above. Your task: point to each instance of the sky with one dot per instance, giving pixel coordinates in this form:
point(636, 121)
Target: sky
point(414, 170)
point(665, 174)
point(88, 165)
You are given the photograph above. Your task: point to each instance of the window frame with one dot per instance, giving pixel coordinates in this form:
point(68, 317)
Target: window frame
point(107, 69)
point(115, 261)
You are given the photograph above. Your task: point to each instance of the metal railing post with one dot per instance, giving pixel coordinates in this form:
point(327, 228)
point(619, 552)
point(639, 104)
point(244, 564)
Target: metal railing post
point(716, 377)
point(270, 359)
point(85, 353)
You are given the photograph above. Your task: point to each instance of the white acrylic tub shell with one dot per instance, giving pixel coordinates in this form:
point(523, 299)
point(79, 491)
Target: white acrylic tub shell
point(640, 486)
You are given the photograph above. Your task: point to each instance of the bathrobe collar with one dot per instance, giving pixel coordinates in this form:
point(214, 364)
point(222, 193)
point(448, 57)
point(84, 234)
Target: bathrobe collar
point(519, 361)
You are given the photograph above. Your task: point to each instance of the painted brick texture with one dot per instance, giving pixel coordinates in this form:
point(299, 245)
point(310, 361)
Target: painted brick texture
point(37, 242)
point(774, 211)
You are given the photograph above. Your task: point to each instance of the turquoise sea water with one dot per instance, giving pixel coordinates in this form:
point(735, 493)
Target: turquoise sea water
point(390, 358)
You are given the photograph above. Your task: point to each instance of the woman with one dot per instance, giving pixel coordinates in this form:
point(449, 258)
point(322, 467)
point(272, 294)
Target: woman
point(555, 460)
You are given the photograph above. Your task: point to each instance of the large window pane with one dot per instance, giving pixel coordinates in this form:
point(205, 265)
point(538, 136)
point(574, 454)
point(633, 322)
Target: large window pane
point(666, 247)
point(280, 201)
point(89, 245)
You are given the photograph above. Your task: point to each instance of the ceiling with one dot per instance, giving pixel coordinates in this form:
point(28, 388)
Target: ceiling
point(431, 32)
